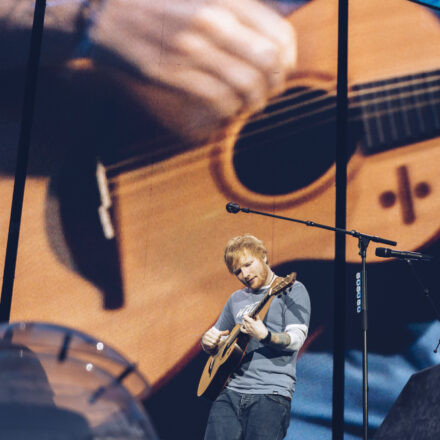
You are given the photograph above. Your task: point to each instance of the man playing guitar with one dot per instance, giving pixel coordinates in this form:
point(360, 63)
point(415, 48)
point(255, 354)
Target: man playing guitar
point(255, 404)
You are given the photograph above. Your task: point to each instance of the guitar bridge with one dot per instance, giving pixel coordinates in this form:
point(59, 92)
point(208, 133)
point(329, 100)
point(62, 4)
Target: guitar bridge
point(106, 202)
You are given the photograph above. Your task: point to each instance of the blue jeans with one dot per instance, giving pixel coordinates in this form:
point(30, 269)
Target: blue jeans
point(237, 416)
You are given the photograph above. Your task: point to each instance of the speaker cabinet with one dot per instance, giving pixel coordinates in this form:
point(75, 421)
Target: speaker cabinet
point(416, 413)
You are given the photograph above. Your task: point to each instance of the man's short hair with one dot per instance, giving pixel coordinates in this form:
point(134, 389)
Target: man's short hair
point(237, 246)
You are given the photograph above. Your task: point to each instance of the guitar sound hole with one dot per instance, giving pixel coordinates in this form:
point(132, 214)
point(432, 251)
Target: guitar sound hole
point(289, 144)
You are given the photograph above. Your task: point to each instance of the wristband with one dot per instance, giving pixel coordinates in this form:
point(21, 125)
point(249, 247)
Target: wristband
point(266, 338)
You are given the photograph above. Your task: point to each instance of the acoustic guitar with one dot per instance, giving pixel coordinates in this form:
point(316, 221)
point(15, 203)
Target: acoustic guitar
point(131, 251)
point(230, 352)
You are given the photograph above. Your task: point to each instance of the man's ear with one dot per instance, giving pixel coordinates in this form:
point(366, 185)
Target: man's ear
point(265, 259)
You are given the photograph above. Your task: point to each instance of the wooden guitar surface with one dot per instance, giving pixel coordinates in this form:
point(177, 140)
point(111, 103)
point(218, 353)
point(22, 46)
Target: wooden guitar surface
point(219, 368)
point(171, 223)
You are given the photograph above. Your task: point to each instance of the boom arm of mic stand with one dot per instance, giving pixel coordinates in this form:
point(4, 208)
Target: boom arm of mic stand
point(353, 233)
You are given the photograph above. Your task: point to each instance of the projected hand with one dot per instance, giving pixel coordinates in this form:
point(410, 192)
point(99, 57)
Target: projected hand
point(205, 61)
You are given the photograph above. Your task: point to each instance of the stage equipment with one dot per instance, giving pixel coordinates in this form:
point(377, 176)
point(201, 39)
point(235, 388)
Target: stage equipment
point(403, 255)
point(414, 415)
point(57, 384)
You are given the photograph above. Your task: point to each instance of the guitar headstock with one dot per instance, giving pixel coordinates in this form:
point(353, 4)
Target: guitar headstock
point(284, 284)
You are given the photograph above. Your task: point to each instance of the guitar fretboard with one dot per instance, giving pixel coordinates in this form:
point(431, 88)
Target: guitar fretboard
point(398, 111)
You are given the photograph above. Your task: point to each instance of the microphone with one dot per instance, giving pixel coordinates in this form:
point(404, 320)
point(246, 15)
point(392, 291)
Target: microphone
point(233, 208)
point(404, 255)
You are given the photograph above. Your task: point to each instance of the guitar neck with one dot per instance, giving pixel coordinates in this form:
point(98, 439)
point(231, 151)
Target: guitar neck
point(261, 304)
point(272, 291)
point(397, 111)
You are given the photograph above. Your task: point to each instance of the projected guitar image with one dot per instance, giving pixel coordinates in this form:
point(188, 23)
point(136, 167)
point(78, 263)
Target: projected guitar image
point(156, 248)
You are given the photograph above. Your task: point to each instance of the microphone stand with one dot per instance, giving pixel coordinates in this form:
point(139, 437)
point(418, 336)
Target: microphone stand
point(426, 292)
point(363, 242)
point(22, 160)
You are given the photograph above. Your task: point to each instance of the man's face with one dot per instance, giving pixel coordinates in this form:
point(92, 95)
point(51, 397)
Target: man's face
point(252, 271)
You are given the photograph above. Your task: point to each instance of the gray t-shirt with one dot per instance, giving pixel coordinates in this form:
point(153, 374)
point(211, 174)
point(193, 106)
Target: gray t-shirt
point(266, 370)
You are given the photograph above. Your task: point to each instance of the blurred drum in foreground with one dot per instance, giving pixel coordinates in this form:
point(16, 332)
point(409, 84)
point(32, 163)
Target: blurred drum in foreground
point(59, 383)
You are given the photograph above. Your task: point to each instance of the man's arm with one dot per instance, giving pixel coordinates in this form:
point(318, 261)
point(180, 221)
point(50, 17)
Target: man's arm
point(297, 315)
point(199, 63)
point(206, 61)
point(257, 329)
point(291, 339)
point(297, 318)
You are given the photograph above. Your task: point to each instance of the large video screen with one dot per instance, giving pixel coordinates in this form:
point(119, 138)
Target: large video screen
point(124, 222)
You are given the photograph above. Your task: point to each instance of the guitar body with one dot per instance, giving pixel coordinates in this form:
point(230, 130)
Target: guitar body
point(221, 365)
point(170, 220)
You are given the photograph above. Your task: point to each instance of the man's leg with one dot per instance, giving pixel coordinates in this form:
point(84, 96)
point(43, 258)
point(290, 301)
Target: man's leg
point(268, 417)
point(223, 422)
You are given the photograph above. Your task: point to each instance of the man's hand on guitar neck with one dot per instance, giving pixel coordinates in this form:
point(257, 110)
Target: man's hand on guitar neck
point(212, 338)
point(205, 61)
point(256, 329)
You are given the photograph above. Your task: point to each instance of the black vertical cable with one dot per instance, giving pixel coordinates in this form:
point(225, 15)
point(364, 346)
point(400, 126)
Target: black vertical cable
point(340, 220)
point(22, 160)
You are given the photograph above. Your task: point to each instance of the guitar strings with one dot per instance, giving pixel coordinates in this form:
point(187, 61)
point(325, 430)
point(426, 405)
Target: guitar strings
point(140, 174)
point(377, 113)
point(175, 147)
point(317, 100)
point(178, 146)
point(261, 116)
